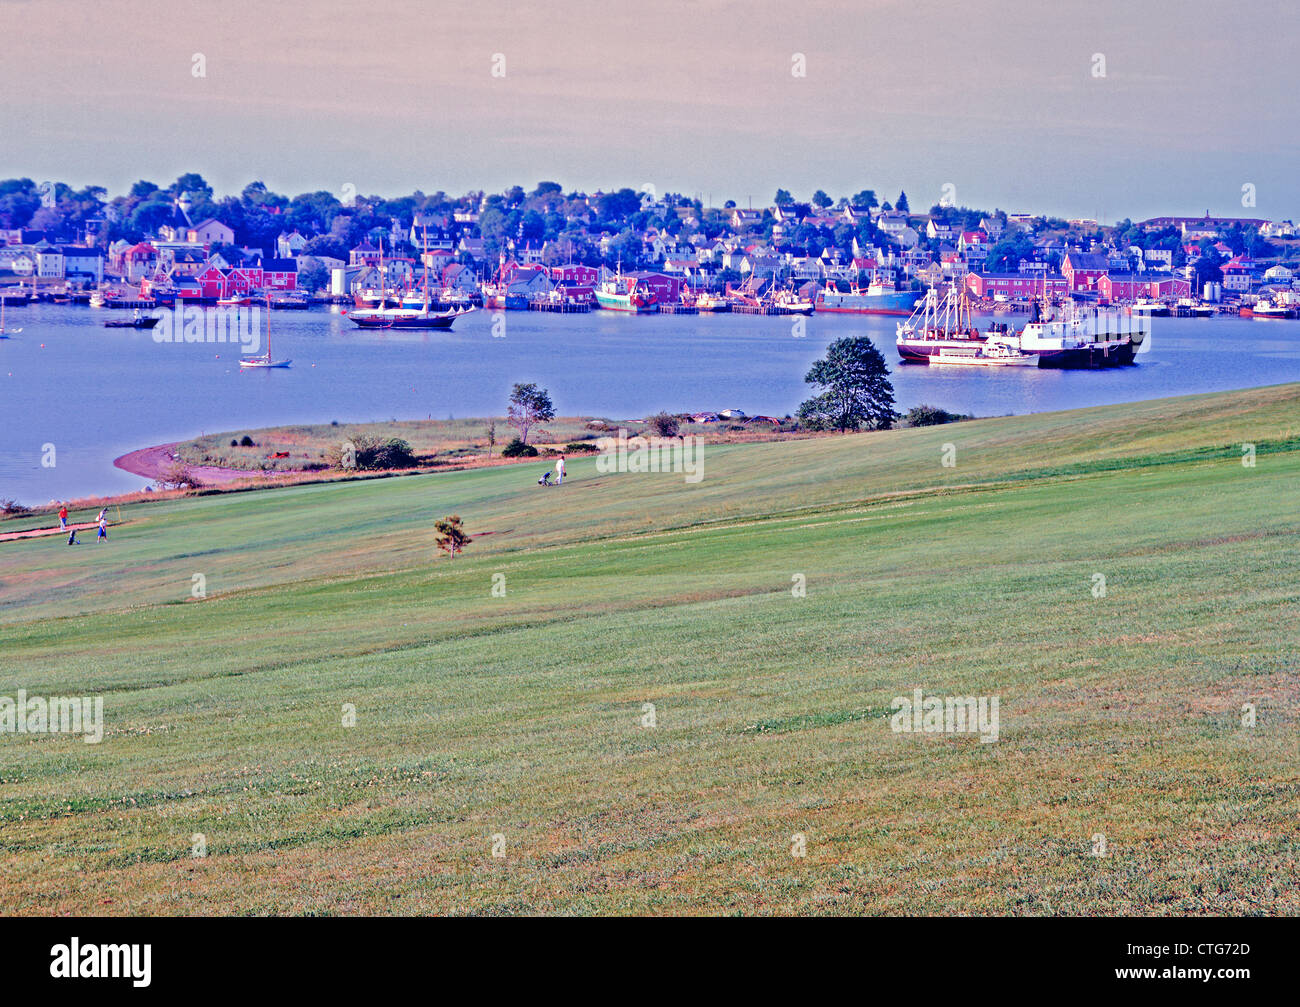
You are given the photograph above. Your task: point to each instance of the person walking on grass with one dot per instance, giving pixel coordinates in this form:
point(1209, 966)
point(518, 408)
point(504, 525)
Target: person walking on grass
point(102, 536)
point(63, 517)
point(559, 471)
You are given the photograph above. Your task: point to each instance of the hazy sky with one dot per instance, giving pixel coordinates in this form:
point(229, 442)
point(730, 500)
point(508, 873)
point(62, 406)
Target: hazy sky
point(998, 99)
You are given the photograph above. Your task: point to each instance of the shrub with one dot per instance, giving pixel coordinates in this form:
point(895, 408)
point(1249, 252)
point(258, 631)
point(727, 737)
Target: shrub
point(930, 416)
point(234, 443)
point(375, 453)
point(665, 424)
point(13, 507)
point(578, 447)
point(246, 442)
point(366, 453)
point(518, 449)
point(177, 475)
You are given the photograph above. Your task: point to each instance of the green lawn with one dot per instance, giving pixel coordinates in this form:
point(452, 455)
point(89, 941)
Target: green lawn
point(521, 716)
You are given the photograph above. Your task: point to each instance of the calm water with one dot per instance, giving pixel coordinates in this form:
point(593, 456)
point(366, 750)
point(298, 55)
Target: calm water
point(97, 393)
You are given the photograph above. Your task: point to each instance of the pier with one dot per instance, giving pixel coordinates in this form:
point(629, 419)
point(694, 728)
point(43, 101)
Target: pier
point(560, 307)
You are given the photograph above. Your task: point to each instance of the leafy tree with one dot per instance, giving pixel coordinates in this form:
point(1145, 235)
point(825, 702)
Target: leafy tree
point(665, 424)
point(821, 200)
point(901, 203)
point(529, 406)
point(533, 226)
point(312, 275)
point(783, 198)
point(865, 198)
point(193, 183)
point(547, 189)
point(451, 538)
point(853, 380)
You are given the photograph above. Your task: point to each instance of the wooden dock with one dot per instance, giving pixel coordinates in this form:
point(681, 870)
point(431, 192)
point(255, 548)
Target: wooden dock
point(678, 309)
point(560, 307)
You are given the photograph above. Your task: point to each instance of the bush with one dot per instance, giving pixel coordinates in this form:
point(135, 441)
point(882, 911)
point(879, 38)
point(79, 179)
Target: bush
point(364, 453)
point(930, 416)
point(247, 442)
point(13, 507)
point(665, 424)
point(177, 475)
point(394, 453)
point(234, 443)
point(578, 447)
point(518, 449)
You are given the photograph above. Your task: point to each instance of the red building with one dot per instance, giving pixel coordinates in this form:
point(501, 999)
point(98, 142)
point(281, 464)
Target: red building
point(1083, 270)
point(1169, 286)
point(665, 288)
point(1016, 285)
point(1122, 287)
point(211, 283)
point(575, 275)
point(280, 274)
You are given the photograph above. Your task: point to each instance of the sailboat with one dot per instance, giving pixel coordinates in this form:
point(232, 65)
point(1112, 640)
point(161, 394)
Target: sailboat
point(5, 333)
point(264, 359)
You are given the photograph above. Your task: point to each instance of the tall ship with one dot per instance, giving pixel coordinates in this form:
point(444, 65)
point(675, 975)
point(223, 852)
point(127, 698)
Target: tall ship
point(622, 293)
point(880, 298)
point(406, 312)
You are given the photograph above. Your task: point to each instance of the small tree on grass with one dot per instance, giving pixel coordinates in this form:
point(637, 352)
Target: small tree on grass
point(529, 406)
point(665, 424)
point(451, 536)
point(177, 475)
point(855, 389)
point(491, 436)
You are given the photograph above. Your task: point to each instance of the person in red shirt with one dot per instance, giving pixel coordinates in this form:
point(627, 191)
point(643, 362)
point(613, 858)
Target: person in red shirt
point(63, 517)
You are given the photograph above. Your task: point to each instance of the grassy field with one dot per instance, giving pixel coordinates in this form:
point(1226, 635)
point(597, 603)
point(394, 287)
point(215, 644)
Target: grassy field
point(519, 720)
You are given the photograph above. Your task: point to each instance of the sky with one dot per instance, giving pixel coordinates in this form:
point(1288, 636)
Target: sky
point(1105, 109)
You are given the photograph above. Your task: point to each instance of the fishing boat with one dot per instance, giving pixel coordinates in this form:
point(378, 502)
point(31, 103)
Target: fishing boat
point(1270, 309)
point(1150, 306)
point(623, 293)
point(787, 302)
point(263, 360)
point(712, 302)
point(136, 321)
point(234, 301)
point(880, 298)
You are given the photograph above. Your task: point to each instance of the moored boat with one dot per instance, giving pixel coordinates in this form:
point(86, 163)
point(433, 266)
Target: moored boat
point(624, 294)
point(880, 298)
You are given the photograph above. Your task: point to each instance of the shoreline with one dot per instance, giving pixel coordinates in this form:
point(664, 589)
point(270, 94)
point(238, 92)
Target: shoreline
point(151, 462)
